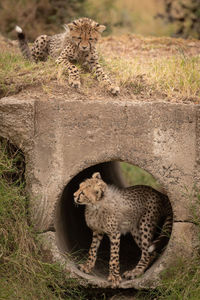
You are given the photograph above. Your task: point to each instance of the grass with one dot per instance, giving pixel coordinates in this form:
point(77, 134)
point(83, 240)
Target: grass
point(16, 73)
point(172, 77)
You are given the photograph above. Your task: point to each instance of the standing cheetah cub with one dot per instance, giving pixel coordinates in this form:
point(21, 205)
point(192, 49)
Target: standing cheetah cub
point(76, 43)
point(115, 211)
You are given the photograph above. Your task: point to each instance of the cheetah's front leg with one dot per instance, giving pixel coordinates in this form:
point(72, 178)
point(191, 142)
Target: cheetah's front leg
point(114, 275)
point(96, 239)
point(96, 68)
point(74, 77)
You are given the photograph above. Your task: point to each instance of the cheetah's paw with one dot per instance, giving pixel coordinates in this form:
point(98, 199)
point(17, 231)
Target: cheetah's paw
point(114, 90)
point(84, 268)
point(133, 274)
point(115, 279)
point(74, 83)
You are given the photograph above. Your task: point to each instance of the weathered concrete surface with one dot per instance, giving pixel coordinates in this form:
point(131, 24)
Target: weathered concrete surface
point(61, 138)
point(17, 121)
point(71, 136)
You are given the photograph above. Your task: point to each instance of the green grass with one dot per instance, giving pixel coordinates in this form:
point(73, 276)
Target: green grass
point(181, 282)
point(16, 73)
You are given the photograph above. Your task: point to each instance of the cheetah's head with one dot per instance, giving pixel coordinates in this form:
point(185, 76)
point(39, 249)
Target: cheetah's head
point(84, 33)
point(90, 191)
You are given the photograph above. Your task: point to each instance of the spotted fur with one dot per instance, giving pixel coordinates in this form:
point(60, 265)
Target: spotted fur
point(76, 43)
point(113, 211)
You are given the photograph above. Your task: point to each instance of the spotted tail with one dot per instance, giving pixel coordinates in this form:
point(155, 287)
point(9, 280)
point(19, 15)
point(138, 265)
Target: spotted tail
point(23, 45)
point(164, 236)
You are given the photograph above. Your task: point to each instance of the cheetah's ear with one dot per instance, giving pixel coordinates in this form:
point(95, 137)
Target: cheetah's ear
point(100, 28)
point(66, 27)
point(96, 175)
point(71, 26)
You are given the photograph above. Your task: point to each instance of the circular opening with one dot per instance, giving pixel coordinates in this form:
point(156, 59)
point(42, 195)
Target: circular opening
point(73, 234)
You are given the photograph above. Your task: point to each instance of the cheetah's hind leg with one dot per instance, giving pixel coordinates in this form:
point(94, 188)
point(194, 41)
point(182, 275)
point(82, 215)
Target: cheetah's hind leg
point(40, 49)
point(147, 229)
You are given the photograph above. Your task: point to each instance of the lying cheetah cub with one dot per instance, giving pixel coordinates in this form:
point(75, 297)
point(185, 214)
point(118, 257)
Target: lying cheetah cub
point(113, 211)
point(76, 43)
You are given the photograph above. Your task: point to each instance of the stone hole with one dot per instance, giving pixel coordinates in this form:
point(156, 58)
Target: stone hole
point(73, 235)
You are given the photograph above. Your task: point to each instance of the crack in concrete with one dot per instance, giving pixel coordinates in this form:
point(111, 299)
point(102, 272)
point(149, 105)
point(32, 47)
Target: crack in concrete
point(184, 221)
point(50, 229)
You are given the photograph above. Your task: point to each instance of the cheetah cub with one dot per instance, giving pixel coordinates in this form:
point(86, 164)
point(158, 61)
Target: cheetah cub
point(76, 43)
point(115, 211)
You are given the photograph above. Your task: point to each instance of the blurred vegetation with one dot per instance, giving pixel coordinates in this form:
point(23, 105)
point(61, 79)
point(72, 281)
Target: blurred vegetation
point(37, 16)
point(128, 16)
point(135, 176)
point(175, 17)
point(48, 16)
point(184, 15)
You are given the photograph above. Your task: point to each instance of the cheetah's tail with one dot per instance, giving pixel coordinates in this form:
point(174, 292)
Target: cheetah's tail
point(164, 236)
point(23, 45)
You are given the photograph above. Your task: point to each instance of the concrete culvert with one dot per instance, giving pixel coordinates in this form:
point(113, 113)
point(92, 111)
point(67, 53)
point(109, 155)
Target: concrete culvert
point(74, 237)
point(62, 139)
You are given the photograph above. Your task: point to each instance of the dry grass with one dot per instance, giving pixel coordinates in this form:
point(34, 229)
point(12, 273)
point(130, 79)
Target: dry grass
point(174, 78)
point(160, 68)
point(17, 74)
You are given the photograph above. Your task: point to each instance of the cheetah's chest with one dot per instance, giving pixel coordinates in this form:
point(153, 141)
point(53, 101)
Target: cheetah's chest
point(94, 218)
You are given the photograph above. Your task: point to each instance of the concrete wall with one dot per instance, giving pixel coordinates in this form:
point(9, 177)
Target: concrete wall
point(62, 138)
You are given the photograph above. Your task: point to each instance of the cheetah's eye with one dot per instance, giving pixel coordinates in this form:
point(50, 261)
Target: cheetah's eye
point(76, 37)
point(90, 39)
point(81, 193)
point(96, 192)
